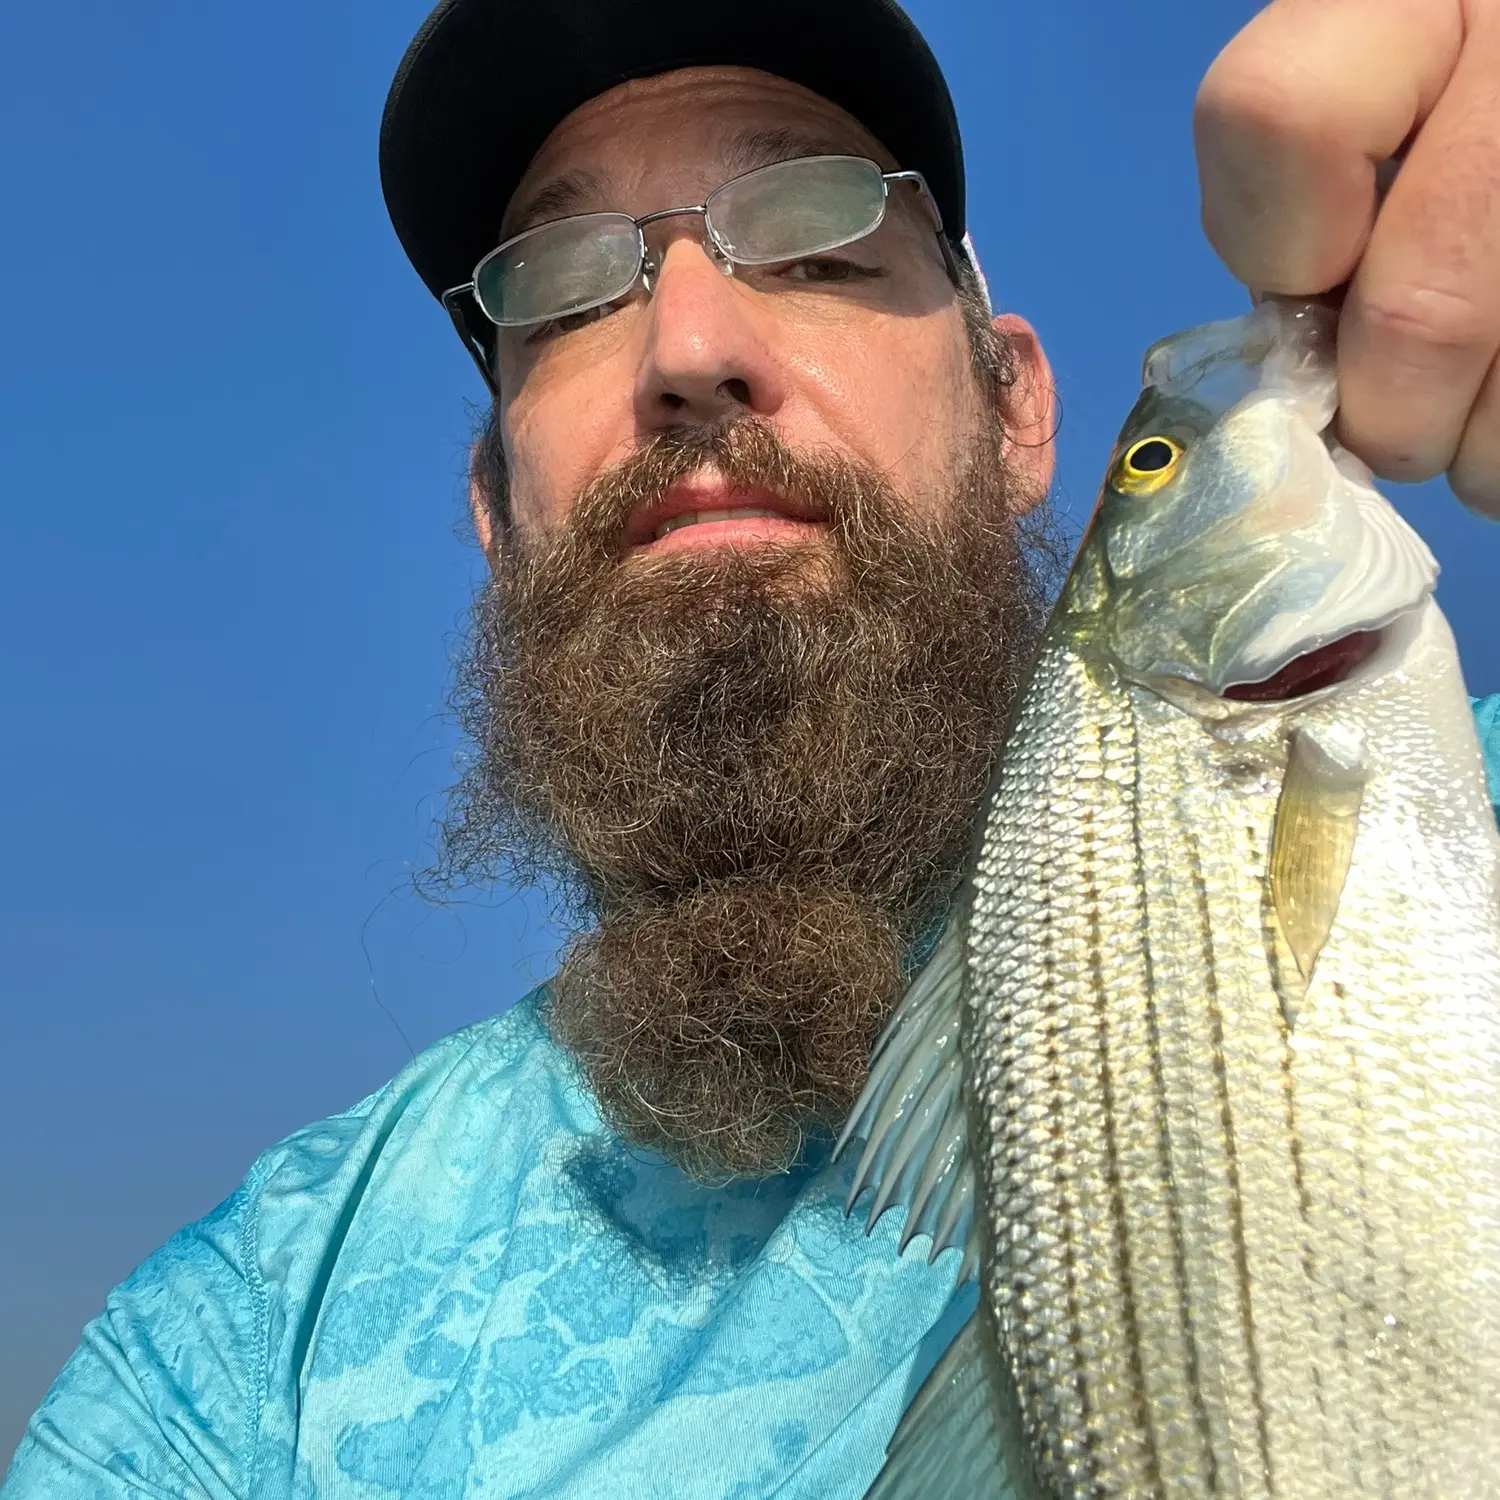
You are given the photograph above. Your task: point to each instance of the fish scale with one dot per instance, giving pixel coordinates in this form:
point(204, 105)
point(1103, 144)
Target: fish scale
point(1225, 978)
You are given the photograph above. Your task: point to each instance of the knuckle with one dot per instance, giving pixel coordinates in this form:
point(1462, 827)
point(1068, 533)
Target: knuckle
point(1264, 86)
point(1417, 314)
point(1246, 93)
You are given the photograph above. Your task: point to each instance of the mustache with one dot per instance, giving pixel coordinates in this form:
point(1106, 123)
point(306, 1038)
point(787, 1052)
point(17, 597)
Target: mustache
point(745, 451)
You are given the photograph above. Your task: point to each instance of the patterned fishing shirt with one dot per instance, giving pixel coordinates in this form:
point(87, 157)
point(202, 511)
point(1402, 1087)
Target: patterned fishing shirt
point(467, 1286)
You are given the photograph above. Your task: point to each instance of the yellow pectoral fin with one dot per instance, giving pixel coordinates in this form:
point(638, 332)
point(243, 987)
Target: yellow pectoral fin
point(1317, 817)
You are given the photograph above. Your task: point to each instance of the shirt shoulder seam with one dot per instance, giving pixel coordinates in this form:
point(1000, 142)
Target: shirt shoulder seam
point(249, 1237)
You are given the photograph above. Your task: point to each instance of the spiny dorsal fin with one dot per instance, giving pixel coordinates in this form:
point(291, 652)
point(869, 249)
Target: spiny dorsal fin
point(1317, 818)
point(911, 1114)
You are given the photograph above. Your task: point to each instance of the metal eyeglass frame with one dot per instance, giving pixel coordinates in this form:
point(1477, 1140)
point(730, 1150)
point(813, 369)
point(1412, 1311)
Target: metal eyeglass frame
point(460, 311)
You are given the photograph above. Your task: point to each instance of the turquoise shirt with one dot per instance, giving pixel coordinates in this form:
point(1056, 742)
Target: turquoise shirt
point(467, 1286)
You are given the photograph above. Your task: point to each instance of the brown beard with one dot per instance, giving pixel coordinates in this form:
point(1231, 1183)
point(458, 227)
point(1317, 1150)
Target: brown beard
point(754, 773)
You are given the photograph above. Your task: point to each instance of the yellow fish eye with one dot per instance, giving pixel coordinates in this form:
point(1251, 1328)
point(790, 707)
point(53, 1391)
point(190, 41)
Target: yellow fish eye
point(1146, 465)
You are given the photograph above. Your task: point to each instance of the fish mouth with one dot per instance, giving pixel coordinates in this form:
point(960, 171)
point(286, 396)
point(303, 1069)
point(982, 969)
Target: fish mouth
point(1323, 667)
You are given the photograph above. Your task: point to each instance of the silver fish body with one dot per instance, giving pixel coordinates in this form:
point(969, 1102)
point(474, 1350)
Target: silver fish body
point(1219, 1011)
point(1232, 1256)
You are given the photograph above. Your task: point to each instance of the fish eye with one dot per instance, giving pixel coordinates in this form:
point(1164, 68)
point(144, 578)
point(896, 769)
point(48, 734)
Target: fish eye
point(1146, 464)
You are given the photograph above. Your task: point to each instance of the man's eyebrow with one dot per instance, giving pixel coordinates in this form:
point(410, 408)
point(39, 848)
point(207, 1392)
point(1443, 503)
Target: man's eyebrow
point(746, 150)
point(563, 195)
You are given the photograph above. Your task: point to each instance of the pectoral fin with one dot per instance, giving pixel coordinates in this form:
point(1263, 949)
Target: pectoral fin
point(1317, 818)
point(911, 1115)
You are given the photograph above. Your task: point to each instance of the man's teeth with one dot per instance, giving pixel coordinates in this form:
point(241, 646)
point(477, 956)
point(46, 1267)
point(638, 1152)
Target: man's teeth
point(693, 517)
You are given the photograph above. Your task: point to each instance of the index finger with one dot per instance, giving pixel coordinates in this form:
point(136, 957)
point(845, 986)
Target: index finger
point(1295, 117)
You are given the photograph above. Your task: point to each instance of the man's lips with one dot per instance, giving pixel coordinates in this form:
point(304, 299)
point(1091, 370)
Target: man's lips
point(705, 509)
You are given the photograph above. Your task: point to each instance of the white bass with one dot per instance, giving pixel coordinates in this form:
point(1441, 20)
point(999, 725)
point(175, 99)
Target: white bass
point(1204, 1074)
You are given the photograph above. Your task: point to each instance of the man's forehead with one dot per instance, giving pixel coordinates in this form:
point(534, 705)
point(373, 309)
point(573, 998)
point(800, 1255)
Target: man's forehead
point(683, 131)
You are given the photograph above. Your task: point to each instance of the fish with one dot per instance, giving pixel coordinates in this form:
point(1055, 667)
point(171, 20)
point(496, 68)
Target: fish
point(1203, 1073)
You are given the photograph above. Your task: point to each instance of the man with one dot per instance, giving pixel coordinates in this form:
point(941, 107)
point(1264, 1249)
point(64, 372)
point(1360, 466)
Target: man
point(755, 494)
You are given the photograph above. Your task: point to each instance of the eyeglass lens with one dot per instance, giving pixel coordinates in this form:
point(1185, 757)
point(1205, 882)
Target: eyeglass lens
point(560, 268)
point(786, 211)
point(796, 208)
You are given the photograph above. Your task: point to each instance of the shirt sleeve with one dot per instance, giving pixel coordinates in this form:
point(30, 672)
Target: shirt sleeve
point(160, 1400)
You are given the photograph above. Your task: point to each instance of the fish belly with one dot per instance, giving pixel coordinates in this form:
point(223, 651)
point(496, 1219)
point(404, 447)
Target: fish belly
point(1226, 1255)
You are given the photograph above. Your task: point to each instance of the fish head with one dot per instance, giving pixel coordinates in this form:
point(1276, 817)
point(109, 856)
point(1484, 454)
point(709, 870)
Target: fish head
point(1237, 553)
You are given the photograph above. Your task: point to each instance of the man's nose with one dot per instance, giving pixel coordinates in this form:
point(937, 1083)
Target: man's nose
point(706, 354)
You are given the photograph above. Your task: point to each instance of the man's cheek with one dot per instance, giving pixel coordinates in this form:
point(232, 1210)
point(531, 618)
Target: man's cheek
point(900, 403)
point(556, 447)
point(538, 490)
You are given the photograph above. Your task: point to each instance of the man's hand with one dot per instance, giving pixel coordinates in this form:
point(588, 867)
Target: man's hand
point(1293, 122)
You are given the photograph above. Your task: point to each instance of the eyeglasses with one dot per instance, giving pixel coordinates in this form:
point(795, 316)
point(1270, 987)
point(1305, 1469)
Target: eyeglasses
point(785, 212)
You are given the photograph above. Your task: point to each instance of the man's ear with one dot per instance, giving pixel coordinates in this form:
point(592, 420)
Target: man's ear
point(1031, 409)
point(482, 512)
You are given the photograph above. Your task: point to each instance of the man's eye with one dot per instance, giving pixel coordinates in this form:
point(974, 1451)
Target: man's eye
point(568, 323)
point(823, 269)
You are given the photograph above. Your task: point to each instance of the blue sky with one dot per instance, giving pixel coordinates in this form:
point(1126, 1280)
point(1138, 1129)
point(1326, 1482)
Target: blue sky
point(232, 440)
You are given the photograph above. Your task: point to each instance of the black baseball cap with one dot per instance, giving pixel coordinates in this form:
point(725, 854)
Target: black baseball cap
point(484, 82)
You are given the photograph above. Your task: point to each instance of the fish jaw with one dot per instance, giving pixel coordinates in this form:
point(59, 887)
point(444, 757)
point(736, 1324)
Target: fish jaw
point(1283, 344)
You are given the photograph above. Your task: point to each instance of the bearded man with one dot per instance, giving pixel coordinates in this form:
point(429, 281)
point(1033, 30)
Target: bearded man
point(761, 493)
